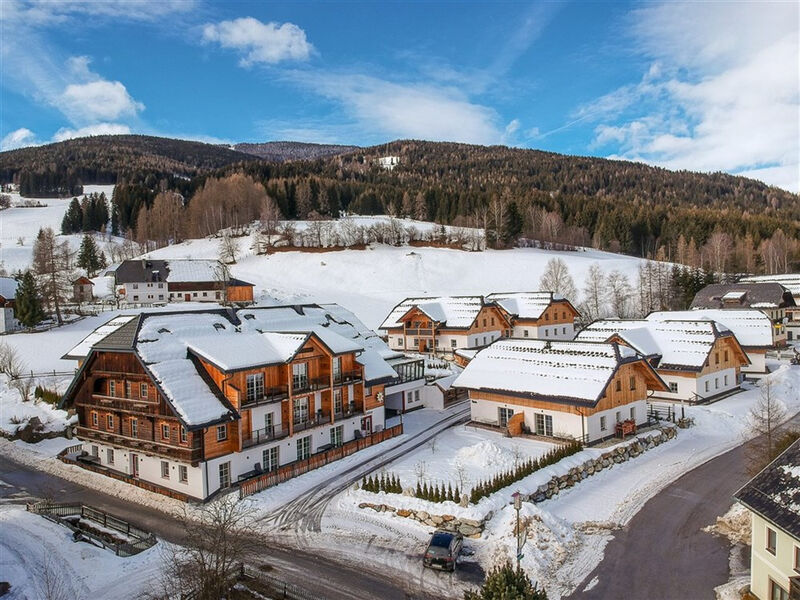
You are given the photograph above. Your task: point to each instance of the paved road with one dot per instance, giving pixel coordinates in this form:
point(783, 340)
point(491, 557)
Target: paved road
point(662, 554)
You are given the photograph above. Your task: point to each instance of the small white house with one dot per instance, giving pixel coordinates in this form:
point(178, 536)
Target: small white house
point(8, 295)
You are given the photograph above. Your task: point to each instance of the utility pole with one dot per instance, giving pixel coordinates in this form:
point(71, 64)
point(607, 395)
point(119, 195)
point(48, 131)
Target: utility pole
point(521, 536)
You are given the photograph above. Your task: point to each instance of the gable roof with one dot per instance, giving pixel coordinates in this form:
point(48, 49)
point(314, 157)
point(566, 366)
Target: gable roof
point(791, 281)
point(83, 280)
point(774, 493)
point(743, 295)
point(8, 287)
point(183, 270)
point(752, 328)
point(573, 372)
point(81, 349)
point(681, 344)
point(526, 305)
point(452, 312)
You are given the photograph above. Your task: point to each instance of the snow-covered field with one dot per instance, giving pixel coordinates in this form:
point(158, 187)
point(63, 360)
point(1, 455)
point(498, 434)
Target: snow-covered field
point(18, 222)
point(37, 555)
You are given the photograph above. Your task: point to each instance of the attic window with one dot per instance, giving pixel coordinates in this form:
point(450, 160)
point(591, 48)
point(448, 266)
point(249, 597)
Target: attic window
point(219, 326)
point(250, 316)
point(164, 330)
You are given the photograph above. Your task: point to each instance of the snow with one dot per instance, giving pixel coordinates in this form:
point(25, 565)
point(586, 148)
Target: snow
point(12, 408)
point(791, 281)
point(32, 546)
point(82, 349)
point(247, 349)
point(8, 288)
point(751, 327)
point(23, 222)
point(524, 305)
point(449, 311)
point(192, 270)
point(561, 369)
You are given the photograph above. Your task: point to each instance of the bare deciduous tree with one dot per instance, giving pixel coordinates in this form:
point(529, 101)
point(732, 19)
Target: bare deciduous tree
point(618, 294)
point(764, 419)
point(52, 263)
point(556, 279)
point(593, 306)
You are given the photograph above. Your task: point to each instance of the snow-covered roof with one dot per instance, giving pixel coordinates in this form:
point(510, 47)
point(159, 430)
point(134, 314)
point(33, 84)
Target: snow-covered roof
point(752, 328)
point(577, 371)
point(192, 270)
point(8, 287)
point(791, 281)
point(680, 343)
point(234, 352)
point(734, 295)
point(82, 348)
point(452, 311)
point(524, 305)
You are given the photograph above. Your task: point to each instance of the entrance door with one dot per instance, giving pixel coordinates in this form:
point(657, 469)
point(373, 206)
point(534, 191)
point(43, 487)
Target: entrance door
point(504, 414)
point(187, 297)
point(366, 424)
point(134, 465)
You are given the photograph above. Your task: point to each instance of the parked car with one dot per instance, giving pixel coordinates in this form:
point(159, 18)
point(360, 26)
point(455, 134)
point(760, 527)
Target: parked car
point(443, 550)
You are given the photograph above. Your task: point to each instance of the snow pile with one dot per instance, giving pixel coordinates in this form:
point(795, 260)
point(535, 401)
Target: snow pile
point(15, 414)
point(485, 457)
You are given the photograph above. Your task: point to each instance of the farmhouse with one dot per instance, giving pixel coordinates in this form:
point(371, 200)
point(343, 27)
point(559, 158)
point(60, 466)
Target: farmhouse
point(538, 315)
point(191, 402)
point(444, 324)
point(754, 331)
point(8, 295)
point(698, 359)
point(791, 281)
point(564, 389)
point(773, 499)
point(152, 281)
point(82, 290)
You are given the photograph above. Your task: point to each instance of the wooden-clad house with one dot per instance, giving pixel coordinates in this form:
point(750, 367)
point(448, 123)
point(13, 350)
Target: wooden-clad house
point(698, 359)
point(538, 315)
point(193, 402)
point(564, 389)
point(791, 282)
point(442, 325)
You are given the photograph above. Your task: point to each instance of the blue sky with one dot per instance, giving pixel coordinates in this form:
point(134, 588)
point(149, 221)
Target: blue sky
point(701, 86)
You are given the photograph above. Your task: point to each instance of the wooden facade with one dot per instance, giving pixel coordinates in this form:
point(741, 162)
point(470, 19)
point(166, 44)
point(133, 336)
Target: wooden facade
point(559, 312)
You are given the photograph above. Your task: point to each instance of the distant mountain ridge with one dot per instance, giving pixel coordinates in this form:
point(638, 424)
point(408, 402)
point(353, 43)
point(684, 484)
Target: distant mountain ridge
point(285, 151)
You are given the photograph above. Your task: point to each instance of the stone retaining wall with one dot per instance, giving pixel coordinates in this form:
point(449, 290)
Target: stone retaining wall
point(595, 465)
point(467, 527)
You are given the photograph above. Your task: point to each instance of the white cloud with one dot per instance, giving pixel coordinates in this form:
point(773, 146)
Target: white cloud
point(722, 92)
point(17, 139)
point(97, 129)
point(406, 110)
point(97, 101)
point(47, 12)
point(260, 42)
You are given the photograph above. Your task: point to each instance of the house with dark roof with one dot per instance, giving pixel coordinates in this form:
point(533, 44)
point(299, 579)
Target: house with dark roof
point(568, 390)
point(191, 402)
point(153, 281)
point(770, 297)
point(773, 499)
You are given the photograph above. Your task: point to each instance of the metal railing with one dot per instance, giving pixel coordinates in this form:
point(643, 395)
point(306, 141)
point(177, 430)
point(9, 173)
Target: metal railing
point(348, 412)
point(265, 434)
point(271, 394)
point(309, 423)
point(346, 377)
point(310, 384)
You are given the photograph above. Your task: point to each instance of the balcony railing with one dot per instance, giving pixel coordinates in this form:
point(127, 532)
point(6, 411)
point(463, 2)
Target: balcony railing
point(346, 377)
point(188, 454)
point(310, 422)
point(272, 394)
point(419, 332)
point(266, 434)
point(348, 411)
point(310, 385)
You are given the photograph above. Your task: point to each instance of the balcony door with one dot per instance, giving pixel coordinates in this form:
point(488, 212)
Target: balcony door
point(134, 465)
point(300, 414)
point(300, 376)
point(337, 368)
point(504, 414)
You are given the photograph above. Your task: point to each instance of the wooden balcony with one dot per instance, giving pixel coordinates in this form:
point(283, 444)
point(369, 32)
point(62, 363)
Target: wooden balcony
point(311, 422)
point(310, 385)
point(271, 395)
point(346, 377)
point(421, 332)
point(185, 454)
point(267, 434)
point(349, 411)
point(124, 404)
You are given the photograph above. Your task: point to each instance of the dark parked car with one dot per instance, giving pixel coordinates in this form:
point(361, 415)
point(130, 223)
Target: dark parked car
point(443, 550)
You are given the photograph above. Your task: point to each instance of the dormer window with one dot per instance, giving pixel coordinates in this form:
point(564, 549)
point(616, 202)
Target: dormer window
point(219, 326)
point(249, 317)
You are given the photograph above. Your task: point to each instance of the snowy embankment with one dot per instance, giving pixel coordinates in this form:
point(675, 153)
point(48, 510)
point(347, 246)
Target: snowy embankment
point(40, 560)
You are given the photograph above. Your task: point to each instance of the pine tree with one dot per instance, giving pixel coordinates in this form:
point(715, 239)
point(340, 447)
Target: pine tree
point(73, 218)
point(28, 307)
point(88, 257)
point(507, 583)
point(418, 491)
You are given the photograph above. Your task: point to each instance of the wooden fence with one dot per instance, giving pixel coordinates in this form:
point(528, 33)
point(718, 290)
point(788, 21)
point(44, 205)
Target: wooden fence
point(299, 467)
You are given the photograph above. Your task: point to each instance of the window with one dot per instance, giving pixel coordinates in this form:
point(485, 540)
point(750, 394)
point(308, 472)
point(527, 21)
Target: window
point(452, 343)
point(547, 316)
point(564, 315)
point(165, 432)
point(136, 286)
point(222, 433)
point(112, 388)
point(772, 540)
point(164, 469)
point(205, 294)
point(337, 401)
point(618, 416)
point(544, 424)
point(633, 383)
point(416, 396)
point(270, 459)
point(300, 410)
point(525, 333)
point(725, 380)
point(255, 386)
point(618, 386)
point(716, 358)
point(707, 385)
point(492, 320)
point(633, 413)
point(300, 376)
point(268, 423)
point(337, 434)
point(304, 448)
point(546, 333)
point(797, 558)
point(602, 423)
point(183, 474)
point(776, 592)
point(673, 387)
point(143, 391)
point(716, 383)
point(95, 451)
point(110, 456)
point(134, 428)
point(135, 298)
point(337, 368)
point(183, 434)
point(504, 415)
point(564, 331)
point(484, 322)
point(128, 389)
point(726, 356)
point(224, 474)
point(110, 421)
point(94, 419)
point(484, 340)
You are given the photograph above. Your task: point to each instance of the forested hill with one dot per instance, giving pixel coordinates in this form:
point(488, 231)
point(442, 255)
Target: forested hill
point(283, 151)
point(61, 168)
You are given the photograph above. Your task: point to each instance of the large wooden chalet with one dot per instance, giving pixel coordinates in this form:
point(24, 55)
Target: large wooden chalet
point(538, 315)
point(194, 401)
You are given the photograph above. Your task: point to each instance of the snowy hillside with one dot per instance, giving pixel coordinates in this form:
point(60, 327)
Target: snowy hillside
point(370, 282)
